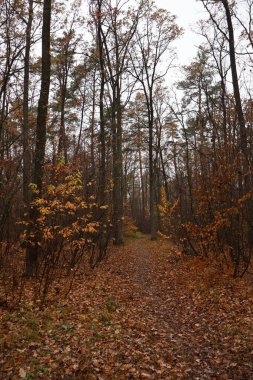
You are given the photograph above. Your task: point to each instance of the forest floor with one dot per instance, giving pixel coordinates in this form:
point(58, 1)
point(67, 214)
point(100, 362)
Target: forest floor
point(147, 312)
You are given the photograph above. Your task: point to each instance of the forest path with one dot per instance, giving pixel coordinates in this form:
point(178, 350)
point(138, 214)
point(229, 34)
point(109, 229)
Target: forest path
point(168, 318)
point(146, 312)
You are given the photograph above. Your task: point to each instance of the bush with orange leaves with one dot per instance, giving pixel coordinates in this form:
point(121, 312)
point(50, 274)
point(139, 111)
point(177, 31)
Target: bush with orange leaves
point(222, 220)
point(70, 229)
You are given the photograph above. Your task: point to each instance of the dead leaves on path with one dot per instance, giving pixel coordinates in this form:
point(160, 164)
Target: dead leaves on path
point(146, 313)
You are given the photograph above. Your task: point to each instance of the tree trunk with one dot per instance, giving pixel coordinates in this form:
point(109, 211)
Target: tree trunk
point(143, 213)
point(43, 100)
point(33, 251)
point(243, 141)
point(26, 127)
point(152, 187)
point(239, 110)
point(117, 171)
point(62, 148)
point(102, 167)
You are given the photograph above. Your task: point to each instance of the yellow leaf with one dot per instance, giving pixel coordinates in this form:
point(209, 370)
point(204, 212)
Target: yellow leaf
point(70, 205)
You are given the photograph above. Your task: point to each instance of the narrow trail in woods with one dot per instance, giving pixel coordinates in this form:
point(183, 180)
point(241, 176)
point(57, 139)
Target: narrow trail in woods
point(147, 313)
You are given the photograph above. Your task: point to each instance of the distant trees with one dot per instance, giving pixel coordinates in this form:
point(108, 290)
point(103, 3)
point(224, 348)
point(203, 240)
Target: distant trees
point(156, 31)
point(127, 61)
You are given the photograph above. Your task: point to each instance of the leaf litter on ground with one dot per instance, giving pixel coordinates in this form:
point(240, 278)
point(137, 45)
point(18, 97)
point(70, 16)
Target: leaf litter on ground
point(146, 312)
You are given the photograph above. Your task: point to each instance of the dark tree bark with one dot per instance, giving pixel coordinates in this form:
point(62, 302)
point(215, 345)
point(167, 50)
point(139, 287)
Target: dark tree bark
point(26, 127)
point(143, 202)
point(102, 167)
point(152, 186)
point(62, 147)
point(237, 95)
point(43, 100)
point(33, 251)
point(92, 126)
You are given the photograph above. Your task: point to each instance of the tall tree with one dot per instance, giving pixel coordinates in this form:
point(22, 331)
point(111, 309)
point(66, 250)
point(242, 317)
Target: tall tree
point(117, 31)
point(41, 127)
point(26, 126)
point(152, 40)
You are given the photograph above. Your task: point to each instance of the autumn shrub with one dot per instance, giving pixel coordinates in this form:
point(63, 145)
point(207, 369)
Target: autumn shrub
point(169, 221)
point(213, 218)
point(67, 231)
point(219, 224)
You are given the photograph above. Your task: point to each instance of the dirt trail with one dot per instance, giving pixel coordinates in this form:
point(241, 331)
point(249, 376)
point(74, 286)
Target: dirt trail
point(169, 325)
point(146, 313)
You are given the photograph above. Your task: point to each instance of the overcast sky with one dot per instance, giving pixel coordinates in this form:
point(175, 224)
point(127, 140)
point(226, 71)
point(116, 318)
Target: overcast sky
point(188, 13)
